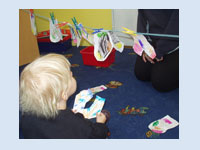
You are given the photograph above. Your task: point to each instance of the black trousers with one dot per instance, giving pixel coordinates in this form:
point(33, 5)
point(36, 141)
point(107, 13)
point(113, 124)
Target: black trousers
point(163, 75)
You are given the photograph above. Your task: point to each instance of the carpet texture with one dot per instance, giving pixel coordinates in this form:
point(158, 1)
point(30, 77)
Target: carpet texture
point(129, 91)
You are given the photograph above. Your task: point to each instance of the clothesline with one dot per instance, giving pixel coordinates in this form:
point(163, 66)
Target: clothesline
point(149, 34)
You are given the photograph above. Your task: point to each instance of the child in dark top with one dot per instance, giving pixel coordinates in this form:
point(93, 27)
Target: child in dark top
point(45, 86)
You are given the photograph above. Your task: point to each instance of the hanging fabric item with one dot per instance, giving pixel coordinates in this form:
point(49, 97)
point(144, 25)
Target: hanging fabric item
point(55, 32)
point(104, 42)
point(33, 25)
point(75, 37)
point(86, 35)
point(141, 44)
point(78, 32)
point(90, 39)
point(117, 44)
point(137, 46)
point(102, 46)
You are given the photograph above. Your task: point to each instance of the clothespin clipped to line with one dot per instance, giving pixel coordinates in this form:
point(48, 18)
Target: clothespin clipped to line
point(81, 26)
point(52, 17)
point(97, 30)
point(128, 31)
point(75, 22)
point(83, 29)
point(78, 30)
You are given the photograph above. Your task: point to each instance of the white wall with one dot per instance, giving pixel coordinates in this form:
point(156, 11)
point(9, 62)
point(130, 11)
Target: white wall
point(124, 18)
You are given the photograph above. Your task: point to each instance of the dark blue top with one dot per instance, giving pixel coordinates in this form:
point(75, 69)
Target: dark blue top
point(66, 125)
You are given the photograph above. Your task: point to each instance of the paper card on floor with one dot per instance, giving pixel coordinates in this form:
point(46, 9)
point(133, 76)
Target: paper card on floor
point(98, 89)
point(163, 124)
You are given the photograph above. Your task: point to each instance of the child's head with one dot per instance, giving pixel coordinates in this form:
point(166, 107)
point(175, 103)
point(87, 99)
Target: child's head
point(45, 85)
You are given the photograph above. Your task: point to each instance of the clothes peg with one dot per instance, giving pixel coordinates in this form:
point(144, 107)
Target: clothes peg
point(83, 29)
point(81, 26)
point(75, 23)
point(128, 31)
point(97, 30)
point(78, 30)
point(52, 17)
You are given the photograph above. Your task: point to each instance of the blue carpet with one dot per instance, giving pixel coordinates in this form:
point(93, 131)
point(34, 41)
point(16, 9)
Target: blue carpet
point(132, 92)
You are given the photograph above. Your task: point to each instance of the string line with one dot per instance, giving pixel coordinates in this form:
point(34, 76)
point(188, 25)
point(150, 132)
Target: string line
point(149, 34)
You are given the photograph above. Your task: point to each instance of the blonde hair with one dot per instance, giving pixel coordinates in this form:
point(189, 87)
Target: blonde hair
point(42, 83)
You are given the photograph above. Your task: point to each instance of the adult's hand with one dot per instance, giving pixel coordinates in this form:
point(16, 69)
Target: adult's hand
point(158, 60)
point(146, 58)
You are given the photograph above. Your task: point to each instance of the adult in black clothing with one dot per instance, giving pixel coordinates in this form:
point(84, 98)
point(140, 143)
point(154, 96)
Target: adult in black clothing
point(45, 86)
point(163, 71)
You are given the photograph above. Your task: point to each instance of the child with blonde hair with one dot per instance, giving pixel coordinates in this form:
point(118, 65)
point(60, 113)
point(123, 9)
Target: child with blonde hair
point(45, 86)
